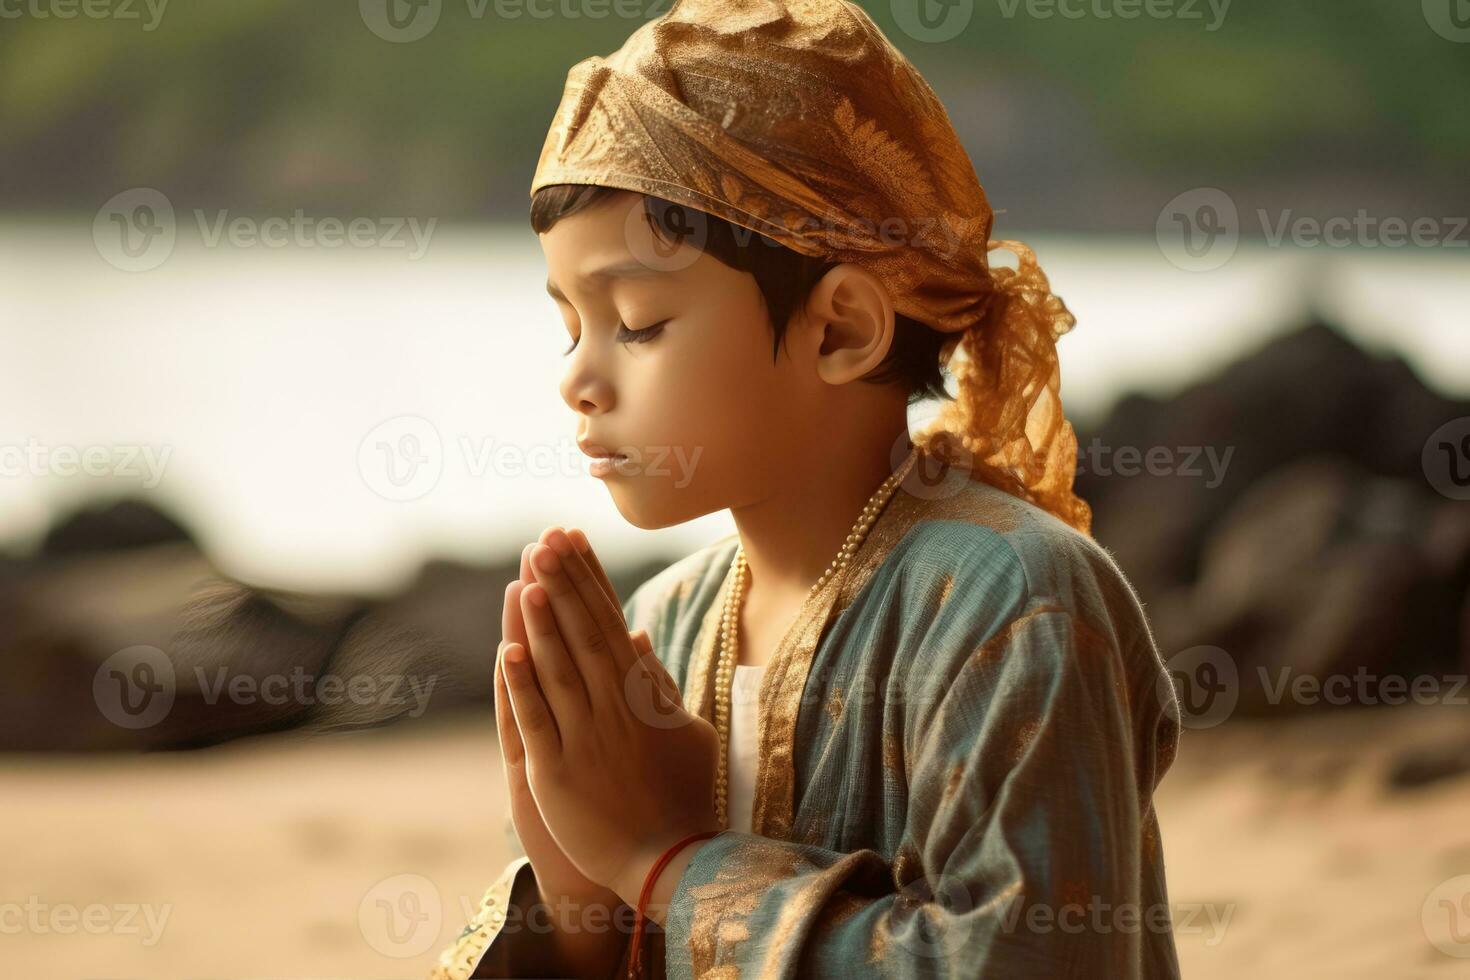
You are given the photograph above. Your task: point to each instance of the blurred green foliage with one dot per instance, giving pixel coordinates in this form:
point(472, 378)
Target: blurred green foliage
point(270, 104)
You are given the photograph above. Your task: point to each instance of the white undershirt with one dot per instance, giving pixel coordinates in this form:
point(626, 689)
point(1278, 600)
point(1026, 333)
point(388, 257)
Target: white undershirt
point(744, 699)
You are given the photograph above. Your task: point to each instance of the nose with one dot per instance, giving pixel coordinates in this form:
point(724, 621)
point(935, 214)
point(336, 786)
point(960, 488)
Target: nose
point(584, 387)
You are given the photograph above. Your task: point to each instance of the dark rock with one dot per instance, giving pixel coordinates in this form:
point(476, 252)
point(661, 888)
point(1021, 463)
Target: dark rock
point(1322, 571)
point(118, 526)
point(248, 660)
point(1306, 394)
point(59, 624)
point(1322, 548)
point(1428, 765)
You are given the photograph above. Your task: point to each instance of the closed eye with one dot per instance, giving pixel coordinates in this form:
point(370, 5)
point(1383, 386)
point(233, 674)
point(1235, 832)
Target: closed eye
point(628, 336)
point(642, 335)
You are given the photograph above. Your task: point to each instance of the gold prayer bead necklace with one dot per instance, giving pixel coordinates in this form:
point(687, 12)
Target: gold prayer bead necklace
point(729, 621)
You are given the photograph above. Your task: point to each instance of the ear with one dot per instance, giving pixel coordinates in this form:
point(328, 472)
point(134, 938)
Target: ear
point(852, 312)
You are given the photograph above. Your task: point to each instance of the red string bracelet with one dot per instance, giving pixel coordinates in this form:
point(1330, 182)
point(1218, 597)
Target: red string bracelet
point(635, 950)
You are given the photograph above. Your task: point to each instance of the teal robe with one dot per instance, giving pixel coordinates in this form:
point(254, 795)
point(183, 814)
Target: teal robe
point(959, 741)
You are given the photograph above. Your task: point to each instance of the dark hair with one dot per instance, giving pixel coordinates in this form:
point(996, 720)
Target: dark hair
point(784, 276)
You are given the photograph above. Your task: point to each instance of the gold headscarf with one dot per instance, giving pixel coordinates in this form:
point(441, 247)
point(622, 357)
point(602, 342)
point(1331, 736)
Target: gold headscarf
point(798, 119)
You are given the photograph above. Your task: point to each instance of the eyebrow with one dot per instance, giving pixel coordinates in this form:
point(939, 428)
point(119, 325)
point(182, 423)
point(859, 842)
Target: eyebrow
point(626, 269)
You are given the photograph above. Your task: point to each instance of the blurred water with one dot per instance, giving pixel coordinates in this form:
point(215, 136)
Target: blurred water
point(254, 375)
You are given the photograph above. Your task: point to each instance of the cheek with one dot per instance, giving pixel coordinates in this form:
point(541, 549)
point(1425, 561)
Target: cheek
point(707, 415)
point(702, 388)
point(745, 397)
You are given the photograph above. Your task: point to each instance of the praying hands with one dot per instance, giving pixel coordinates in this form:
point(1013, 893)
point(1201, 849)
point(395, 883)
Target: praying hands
point(606, 768)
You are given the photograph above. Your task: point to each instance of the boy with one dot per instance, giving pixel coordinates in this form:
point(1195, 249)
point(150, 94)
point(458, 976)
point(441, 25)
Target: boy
point(765, 242)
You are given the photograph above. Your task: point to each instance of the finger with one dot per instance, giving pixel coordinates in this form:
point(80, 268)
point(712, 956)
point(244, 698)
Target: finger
point(560, 680)
point(512, 751)
point(595, 635)
point(579, 540)
point(597, 596)
point(537, 727)
point(512, 623)
point(584, 548)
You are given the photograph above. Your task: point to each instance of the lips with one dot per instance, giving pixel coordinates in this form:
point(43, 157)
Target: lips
point(600, 452)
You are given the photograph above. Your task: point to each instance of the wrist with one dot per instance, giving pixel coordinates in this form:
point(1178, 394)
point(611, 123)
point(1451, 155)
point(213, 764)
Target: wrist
point(630, 887)
point(588, 954)
point(587, 932)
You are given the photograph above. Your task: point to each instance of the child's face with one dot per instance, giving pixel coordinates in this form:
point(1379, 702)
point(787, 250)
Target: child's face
point(701, 408)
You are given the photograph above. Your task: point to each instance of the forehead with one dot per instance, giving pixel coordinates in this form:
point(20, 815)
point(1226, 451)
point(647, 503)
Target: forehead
point(602, 228)
point(603, 273)
point(602, 244)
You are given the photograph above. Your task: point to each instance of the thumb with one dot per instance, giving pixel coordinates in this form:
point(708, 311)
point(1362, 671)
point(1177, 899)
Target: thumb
point(511, 749)
point(644, 645)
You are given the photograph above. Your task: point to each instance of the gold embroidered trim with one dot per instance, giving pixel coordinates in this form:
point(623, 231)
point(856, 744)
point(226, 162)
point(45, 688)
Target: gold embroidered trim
point(458, 962)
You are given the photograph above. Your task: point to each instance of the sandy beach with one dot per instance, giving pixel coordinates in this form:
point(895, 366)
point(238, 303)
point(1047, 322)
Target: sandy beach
point(1288, 855)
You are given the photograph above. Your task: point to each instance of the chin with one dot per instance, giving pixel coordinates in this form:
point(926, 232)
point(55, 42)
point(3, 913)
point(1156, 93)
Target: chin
point(653, 512)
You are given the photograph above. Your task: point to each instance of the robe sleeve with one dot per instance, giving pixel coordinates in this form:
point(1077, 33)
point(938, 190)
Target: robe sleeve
point(1023, 830)
point(503, 932)
point(484, 948)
